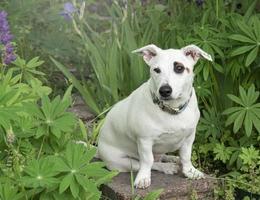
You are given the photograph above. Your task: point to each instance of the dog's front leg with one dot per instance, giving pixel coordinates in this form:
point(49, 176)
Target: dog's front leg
point(143, 178)
point(185, 155)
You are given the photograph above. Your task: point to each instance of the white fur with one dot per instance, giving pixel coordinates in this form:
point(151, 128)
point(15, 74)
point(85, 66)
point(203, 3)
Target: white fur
point(136, 128)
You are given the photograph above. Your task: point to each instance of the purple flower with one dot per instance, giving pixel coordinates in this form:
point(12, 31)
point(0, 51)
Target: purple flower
point(7, 51)
point(199, 2)
point(8, 58)
point(68, 10)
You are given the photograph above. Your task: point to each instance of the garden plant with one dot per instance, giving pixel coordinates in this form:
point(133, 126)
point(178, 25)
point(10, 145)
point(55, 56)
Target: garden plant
point(40, 157)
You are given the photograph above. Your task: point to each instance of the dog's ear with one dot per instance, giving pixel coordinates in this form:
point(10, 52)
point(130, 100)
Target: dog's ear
point(148, 52)
point(195, 53)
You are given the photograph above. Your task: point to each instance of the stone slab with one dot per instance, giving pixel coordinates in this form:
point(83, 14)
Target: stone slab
point(81, 110)
point(176, 187)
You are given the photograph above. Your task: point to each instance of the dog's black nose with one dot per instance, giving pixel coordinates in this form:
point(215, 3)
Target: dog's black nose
point(165, 91)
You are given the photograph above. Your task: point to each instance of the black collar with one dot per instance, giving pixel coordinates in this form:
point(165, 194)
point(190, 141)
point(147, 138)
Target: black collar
point(167, 108)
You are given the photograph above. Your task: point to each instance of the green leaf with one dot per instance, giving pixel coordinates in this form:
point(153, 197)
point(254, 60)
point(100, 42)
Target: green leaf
point(248, 124)
point(67, 95)
point(257, 27)
point(232, 118)
point(256, 121)
point(40, 173)
point(243, 96)
point(250, 10)
point(106, 178)
point(249, 156)
point(218, 67)
point(231, 110)
point(241, 50)
point(74, 188)
point(160, 7)
point(239, 120)
point(83, 129)
point(241, 38)
point(252, 95)
point(153, 195)
point(252, 56)
point(234, 157)
point(235, 99)
point(34, 63)
point(246, 29)
point(206, 72)
point(222, 153)
point(65, 183)
point(8, 191)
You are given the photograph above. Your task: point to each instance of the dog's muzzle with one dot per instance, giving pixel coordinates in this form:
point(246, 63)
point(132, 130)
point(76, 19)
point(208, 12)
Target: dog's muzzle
point(165, 91)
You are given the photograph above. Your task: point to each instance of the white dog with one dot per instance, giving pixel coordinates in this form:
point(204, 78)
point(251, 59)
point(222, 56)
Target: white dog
point(158, 117)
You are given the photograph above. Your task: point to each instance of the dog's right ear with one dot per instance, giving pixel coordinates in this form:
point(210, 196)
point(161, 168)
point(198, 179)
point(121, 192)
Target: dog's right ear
point(148, 52)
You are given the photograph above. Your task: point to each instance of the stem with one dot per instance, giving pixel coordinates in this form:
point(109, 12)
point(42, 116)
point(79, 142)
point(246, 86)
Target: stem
point(40, 151)
point(215, 88)
point(217, 10)
point(3, 66)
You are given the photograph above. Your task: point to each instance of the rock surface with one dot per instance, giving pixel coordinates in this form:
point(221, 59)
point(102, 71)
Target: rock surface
point(175, 187)
point(81, 110)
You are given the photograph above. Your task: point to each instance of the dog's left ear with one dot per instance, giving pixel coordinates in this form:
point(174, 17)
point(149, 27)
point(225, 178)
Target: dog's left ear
point(148, 52)
point(195, 53)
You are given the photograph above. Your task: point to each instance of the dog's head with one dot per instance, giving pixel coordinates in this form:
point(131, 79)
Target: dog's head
point(171, 69)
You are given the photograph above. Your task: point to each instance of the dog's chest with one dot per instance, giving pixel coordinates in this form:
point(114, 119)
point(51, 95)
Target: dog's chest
point(171, 135)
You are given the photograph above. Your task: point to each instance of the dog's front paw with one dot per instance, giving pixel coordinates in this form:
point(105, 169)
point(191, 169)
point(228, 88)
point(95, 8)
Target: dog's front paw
point(193, 173)
point(142, 182)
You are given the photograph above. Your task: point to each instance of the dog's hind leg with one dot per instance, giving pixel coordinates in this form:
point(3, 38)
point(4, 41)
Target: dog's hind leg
point(169, 159)
point(115, 159)
point(167, 168)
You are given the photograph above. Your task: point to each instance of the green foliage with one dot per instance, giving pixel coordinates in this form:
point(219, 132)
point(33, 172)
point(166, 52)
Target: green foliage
point(249, 40)
point(222, 153)
point(247, 113)
point(250, 157)
point(40, 155)
point(52, 116)
point(40, 174)
point(9, 192)
point(79, 173)
point(28, 70)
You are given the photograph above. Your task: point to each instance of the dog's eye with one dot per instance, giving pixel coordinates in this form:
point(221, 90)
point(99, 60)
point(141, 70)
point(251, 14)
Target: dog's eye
point(157, 70)
point(178, 68)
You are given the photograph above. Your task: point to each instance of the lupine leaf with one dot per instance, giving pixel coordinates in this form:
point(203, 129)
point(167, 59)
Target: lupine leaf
point(65, 183)
point(239, 121)
point(252, 56)
point(241, 50)
point(235, 99)
point(248, 124)
point(246, 29)
point(243, 96)
point(231, 110)
point(241, 38)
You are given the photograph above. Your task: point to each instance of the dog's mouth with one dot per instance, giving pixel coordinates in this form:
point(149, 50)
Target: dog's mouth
point(170, 98)
point(166, 98)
